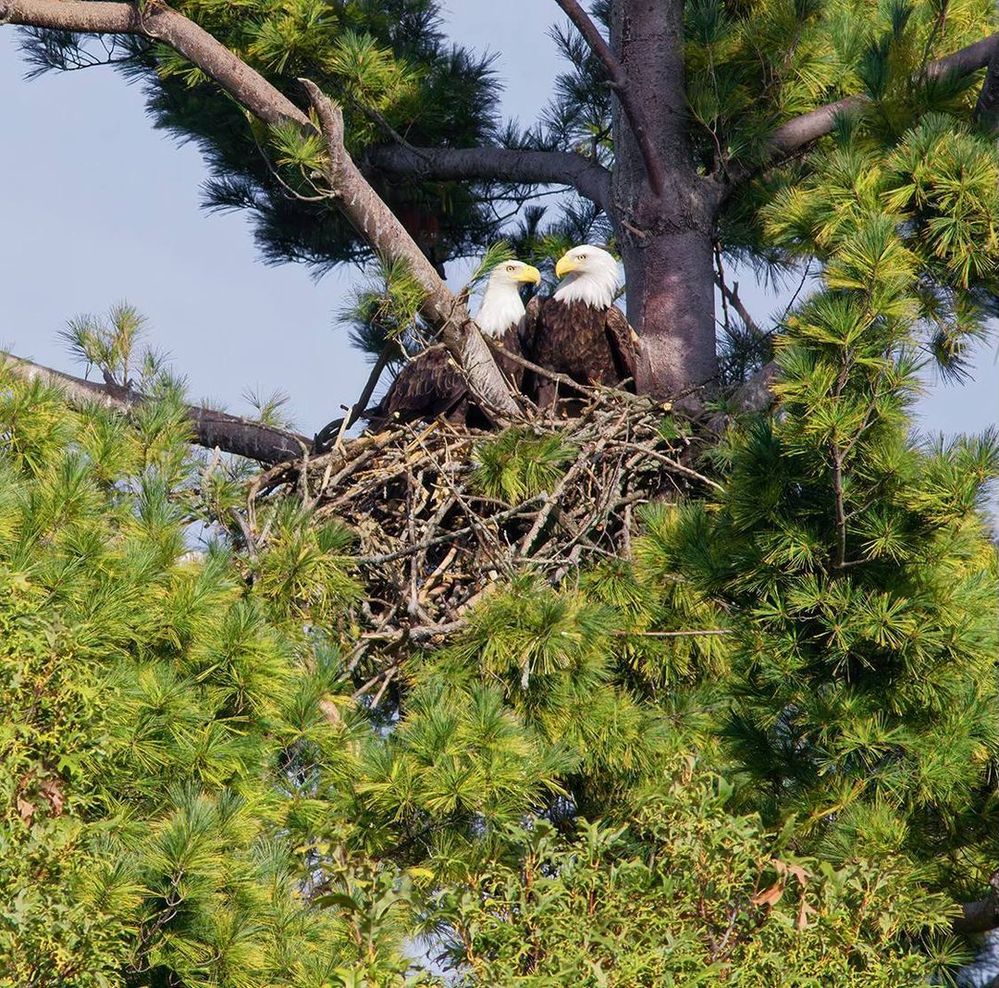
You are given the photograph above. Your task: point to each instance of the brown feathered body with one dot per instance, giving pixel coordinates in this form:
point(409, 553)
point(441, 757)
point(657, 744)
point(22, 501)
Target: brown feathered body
point(593, 346)
point(432, 385)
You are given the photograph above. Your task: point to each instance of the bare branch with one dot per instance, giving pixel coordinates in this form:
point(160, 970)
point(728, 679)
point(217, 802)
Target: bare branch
point(211, 429)
point(619, 83)
point(795, 134)
point(731, 295)
point(841, 532)
point(589, 178)
point(160, 23)
point(382, 230)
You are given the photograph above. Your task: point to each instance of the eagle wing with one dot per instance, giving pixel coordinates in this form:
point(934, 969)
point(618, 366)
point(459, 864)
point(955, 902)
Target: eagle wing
point(521, 339)
point(623, 341)
point(431, 384)
point(510, 343)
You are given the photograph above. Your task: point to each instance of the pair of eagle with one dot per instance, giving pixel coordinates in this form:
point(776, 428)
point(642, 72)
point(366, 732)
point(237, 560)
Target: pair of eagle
point(578, 332)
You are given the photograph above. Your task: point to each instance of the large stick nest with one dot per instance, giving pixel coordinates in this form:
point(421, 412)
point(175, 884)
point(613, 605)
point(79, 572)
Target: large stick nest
point(441, 512)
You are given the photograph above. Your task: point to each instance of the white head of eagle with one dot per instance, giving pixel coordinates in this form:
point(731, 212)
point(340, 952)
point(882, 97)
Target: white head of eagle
point(502, 306)
point(589, 275)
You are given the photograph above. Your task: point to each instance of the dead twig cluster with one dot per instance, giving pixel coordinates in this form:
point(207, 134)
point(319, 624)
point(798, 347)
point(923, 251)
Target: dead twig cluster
point(432, 538)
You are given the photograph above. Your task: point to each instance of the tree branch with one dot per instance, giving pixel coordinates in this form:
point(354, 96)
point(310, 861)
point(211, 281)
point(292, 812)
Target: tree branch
point(837, 469)
point(619, 83)
point(589, 178)
point(731, 293)
point(210, 428)
point(385, 233)
point(987, 107)
point(355, 197)
point(160, 23)
point(801, 131)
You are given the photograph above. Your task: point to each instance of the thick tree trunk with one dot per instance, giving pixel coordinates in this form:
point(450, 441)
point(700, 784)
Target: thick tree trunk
point(666, 242)
point(671, 299)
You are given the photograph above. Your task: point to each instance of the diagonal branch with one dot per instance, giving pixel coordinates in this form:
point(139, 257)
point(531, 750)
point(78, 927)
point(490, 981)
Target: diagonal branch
point(796, 134)
point(529, 167)
point(355, 197)
point(731, 295)
point(159, 22)
point(619, 83)
point(385, 233)
point(210, 428)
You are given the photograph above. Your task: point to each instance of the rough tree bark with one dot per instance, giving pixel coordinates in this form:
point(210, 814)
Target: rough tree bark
point(586, 176)
point(666, 241)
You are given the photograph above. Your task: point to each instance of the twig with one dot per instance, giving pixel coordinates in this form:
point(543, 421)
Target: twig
point(693, 633)
point(837, 466)
point(321, 444)
point(405, 553)
point(673, 465)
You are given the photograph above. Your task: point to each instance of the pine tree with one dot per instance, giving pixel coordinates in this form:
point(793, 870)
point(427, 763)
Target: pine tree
point(198, 792)
point(155, 711)
point(675, 148)
point(856, 555)
point(759, 747)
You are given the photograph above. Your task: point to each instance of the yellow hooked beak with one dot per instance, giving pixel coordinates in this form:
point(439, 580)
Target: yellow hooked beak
point(566, 265)
point(529, 274)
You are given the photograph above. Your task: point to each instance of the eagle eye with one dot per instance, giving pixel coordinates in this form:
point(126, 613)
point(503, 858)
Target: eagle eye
point(510, 267)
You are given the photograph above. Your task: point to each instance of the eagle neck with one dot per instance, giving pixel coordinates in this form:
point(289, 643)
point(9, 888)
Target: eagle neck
point(501, 307)
point(594, 289)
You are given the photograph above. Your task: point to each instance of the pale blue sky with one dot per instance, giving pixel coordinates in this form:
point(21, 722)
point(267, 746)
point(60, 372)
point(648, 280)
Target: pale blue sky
point(98, 207)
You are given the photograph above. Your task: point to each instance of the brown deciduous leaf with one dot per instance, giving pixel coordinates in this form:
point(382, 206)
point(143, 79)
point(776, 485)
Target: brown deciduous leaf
point(769, 896)
point(52, 791)
point(25, 809)
point(800, 873)
point(803, 913)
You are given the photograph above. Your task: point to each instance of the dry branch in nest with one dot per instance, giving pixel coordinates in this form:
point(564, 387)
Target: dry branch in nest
point(438, 522)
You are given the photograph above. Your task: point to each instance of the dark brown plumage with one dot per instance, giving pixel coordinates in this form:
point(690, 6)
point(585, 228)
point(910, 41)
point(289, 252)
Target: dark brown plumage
point(591, 345)
point(512, 342)
point(432, 385)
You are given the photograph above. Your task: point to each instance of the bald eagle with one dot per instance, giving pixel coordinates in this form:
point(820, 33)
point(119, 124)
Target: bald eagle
point(579, 332)
point(432, 384)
